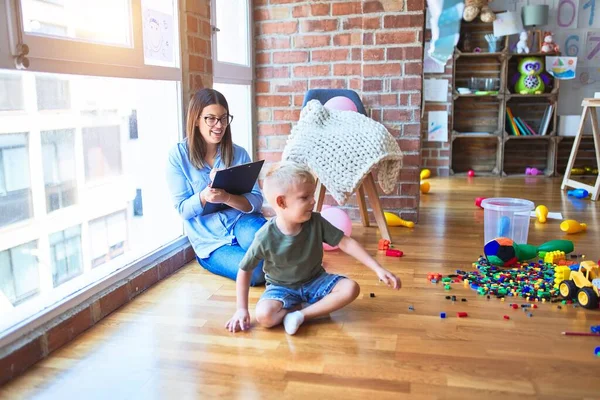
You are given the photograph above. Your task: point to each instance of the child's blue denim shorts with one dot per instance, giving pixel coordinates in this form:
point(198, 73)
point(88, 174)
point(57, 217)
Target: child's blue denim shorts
point(310, 292)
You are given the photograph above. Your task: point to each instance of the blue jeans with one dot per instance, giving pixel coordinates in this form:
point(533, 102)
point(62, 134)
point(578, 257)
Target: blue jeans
point(310, 292)
point(225, 260)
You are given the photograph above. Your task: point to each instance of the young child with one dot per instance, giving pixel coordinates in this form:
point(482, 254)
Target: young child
point(291, 245)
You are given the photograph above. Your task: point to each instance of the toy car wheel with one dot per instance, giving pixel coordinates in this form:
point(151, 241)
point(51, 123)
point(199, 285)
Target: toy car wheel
point(587, 298)
point(567, 289)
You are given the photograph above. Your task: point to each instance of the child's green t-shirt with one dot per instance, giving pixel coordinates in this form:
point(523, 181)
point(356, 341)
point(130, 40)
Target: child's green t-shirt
point(291, 260)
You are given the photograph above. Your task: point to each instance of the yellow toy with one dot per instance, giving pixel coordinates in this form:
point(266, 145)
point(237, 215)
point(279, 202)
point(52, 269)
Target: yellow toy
point(561, 273)
point(585, 283)
point(394, 220)
point(541, 212)
point(425, 186)
point(572, 226)
point(552, 257)
point(425, 174)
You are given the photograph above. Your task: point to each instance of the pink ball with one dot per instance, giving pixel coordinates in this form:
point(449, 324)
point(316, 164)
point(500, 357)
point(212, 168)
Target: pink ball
point(340, 103)
point(471, 173)
point(340, 220)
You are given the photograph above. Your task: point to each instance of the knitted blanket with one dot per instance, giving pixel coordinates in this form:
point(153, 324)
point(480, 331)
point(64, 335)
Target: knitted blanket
point(342, 147)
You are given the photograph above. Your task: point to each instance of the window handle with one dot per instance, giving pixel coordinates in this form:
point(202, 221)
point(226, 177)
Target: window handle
point(215, 29)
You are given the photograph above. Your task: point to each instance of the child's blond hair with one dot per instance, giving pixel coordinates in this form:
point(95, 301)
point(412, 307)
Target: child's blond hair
point(283, 175)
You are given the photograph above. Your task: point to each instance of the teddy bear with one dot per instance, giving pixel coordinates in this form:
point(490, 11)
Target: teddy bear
point(549, 46)
point(478, 7)
point(522, 46)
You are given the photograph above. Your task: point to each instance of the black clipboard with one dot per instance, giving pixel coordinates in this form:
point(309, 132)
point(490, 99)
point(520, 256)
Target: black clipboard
point(236, 180)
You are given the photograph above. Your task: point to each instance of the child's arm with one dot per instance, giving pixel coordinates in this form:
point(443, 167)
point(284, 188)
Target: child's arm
point(241, 318)
point(353, 248)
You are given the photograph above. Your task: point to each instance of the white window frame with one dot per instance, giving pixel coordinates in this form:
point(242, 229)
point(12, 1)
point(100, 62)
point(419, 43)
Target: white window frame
point(72, 56)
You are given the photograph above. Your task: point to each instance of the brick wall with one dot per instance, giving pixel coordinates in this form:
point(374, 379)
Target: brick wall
point(372, 47)
point(436, 155)
point(196, 60)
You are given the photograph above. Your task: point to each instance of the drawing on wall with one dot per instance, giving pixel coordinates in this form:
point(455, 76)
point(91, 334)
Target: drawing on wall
point(561, 67)
point(446, 16)
point(429, 64)
point(437, 126)
point(508, 23)
point(158, 36)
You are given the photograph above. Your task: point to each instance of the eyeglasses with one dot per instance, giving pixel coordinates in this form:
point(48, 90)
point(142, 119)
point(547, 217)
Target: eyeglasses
point(212, 121)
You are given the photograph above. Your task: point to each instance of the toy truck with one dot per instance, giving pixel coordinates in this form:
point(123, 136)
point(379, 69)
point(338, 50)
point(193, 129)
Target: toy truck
point(583, 284)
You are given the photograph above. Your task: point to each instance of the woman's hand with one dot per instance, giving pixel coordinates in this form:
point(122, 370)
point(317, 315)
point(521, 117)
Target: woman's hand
point(388, 278)
point(215, 195)
point(240, 320)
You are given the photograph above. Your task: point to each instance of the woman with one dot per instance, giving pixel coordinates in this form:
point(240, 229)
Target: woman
point(220, 239)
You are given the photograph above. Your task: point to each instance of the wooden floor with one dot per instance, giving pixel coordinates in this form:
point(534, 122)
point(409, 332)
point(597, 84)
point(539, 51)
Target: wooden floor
point(170, 341)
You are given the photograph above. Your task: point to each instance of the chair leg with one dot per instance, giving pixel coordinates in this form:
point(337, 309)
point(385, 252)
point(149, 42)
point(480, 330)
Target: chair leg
point(369, 185)
point(319, 196)
point(362, 206)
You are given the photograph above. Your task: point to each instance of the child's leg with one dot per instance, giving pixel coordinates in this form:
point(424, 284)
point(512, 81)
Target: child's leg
point(343, 293)
point(270, 313)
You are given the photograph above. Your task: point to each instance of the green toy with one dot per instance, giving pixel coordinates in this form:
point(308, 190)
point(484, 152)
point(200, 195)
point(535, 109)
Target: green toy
point(504, 252)
point(530, 81)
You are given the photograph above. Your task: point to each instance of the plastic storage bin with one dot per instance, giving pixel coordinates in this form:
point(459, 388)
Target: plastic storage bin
point(506, 217)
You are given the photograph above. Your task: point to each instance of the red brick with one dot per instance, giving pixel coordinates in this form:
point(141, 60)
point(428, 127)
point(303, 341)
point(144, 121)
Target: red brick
point(386, 69)
point(196, 64)
point(408, 175)
point(409, 189)
point(376, 115)
point(346, 69)
point(144, 281)
point(398, 115)
point(398, 202)
point(272, 72)
point(353, 23)
point(292, 87)
point(281, 28)
point(398, 37)
point(319, 10)
point(68, 329)
point(356, 84)
point(347, 8)
point(372, 85)
point(274, 129)
point(310, 71)
point(415, 5)
point(19, 360)
point(205, 29)
point(373, 7)
point(298, 100)
point(409, 145)
point(263, 59)
point(327, 84)
point(383, 6)
point(347, 39)
point(413, 68)
point(197, 7)
point(272, 43)
point(380, 100)
point(192, 24)
point(403, 21)
point(290, 57)
point(415, 99)
point(371, 23)
point(301, 11)
point(411, 130)
point(411, 83)
point(113, 300)
point(201, 46)
point(269, 155)
point(444, 153)
point(262, 143)
point(435, 107)
point(272, 13)
point(261, 14)
point(286, 115)
point(311, 41)
point(357, 54)
point(329, 55)
point(405, 53)
point(276, 142)
point(319, 25)
point(273, 101)
point(282, 1)
point(374, 55)
point(368, 38)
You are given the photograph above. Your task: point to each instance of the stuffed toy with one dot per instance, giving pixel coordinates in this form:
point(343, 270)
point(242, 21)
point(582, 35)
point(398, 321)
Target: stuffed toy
point(530, 81)
point(549, 46)
point(478, 7)
point(522, 46)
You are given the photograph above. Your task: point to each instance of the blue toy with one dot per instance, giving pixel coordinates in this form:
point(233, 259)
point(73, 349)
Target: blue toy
point(578, 193)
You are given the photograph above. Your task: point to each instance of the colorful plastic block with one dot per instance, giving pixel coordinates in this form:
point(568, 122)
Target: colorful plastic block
point(383, 244)
point(442, 315)
point(393, 253)
point(461, 314)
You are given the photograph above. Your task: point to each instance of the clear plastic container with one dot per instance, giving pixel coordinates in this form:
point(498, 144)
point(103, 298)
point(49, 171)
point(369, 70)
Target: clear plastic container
point(506, 217)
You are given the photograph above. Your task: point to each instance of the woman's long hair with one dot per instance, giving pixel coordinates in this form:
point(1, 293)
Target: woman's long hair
point(196, 144)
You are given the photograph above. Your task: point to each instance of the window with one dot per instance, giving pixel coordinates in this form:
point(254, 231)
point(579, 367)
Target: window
point(11, 92)
point(58, 151)
point(15, 193)
point(102, 152)
point(52, 93)
point(240, 105)
point(108, 236)
point(65, 255)
point(19, 273)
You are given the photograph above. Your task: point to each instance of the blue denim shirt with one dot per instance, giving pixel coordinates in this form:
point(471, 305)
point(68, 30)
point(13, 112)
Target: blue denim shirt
point(206, 233)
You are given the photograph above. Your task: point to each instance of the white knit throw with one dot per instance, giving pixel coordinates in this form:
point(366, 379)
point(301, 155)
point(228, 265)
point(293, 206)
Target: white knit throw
point(342, 147)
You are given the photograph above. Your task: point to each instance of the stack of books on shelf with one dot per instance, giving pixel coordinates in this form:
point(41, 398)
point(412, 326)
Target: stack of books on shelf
point(516, 126)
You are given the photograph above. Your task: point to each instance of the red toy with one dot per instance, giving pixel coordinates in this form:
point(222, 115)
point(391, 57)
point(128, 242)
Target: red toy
point(434, 275)
point(383, 244)
point(478, 201)
point(471, 173)
point(393, 253)
point(461, 314)
point(506, 317)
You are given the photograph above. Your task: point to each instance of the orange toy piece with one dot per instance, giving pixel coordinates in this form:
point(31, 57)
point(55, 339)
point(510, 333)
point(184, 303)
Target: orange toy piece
point(383, 244)
point(434, 275)
point(572, 226)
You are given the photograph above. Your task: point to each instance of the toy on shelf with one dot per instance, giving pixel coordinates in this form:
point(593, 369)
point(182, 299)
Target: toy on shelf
point(425, 174)
point(541, 212)
point(478, 7)
point(471, 173)
point(578, 193)
point(584, 284)
point(425, 186)
point(394, 220)
point(530, 81)
point(571, 226)
point(532, 171)
point(504, 252)
point(522, 44)
point(492, 41)
point(478, 201)
point(549, 47)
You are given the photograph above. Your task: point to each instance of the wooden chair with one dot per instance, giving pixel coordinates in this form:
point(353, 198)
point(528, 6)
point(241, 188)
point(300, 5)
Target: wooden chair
point(589, 108)
point(368, 183)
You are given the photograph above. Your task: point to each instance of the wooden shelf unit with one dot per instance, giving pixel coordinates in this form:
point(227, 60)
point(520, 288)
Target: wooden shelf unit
point(480, 139)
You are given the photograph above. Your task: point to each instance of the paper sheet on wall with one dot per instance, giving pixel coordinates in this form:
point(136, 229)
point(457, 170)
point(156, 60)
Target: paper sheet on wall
point(436, 90)
point(429, 64)
point(158, 37)
point(437, 126)
point(508, 23)
point(446, 16)
point(561, 67)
